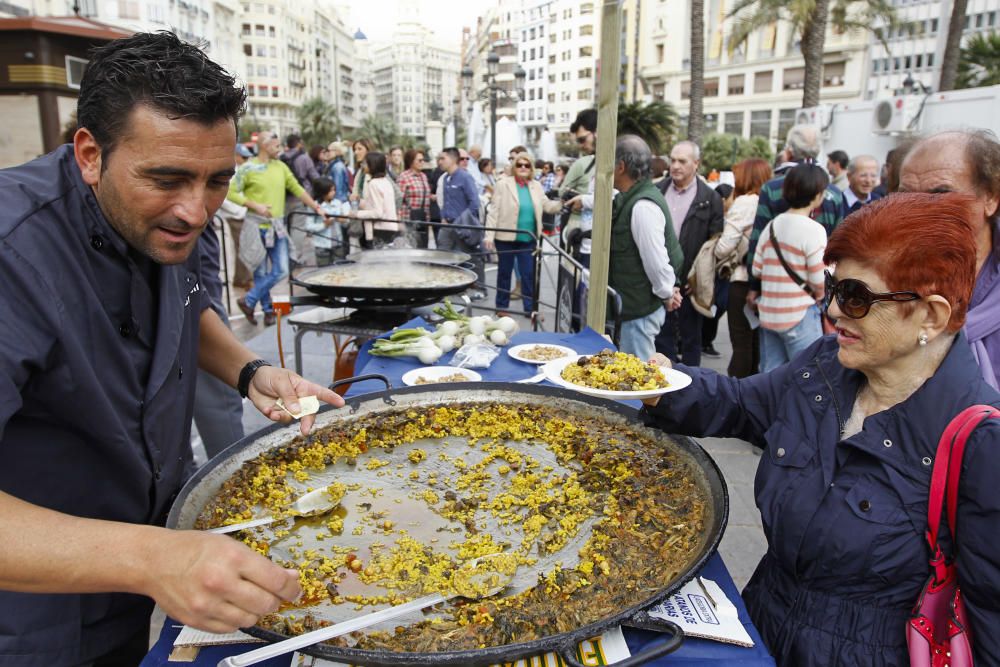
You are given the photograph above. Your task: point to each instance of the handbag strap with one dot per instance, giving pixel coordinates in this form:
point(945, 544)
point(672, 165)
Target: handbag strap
point(806, 287)
point(946, 474)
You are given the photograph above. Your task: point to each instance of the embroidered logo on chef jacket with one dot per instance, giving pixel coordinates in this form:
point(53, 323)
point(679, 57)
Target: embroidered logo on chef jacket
point(194, 290)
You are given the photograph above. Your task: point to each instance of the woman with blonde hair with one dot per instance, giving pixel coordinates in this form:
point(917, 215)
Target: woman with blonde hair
point(517, 206)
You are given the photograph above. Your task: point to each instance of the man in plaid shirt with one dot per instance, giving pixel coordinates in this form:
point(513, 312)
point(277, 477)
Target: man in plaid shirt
point(416, 193)
point(802, 145)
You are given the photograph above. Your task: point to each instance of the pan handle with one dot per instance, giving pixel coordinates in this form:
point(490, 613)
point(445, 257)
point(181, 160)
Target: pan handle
point(368, 376)
point(652, 652)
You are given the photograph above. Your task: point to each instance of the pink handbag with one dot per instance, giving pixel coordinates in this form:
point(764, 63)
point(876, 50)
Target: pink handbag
point(938, 634)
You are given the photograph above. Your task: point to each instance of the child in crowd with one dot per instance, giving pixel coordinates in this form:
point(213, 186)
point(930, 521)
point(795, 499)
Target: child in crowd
point(329, 239)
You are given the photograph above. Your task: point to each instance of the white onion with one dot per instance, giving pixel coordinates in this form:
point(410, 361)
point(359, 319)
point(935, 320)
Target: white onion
point(473, 339)
point(448, 328)
point(446, 343)
point(429, 355)
point(507, 325)
point(498, 337)
point(477, 326)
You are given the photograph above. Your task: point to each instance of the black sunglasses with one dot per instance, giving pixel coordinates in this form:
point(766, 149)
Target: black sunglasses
point(525, 165)
point(855, 299)
point(582, 140)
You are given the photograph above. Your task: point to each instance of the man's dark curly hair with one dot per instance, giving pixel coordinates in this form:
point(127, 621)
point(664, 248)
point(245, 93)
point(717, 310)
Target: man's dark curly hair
point(157, 70)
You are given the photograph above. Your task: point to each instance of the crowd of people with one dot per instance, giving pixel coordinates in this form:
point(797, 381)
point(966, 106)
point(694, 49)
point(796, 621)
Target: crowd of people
point(385, 197)
point(113, 310)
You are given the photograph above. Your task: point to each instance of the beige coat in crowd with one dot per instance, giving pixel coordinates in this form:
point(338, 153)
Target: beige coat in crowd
point(505, 204)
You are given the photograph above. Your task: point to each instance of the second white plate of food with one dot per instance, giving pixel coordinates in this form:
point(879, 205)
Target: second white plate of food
point(675, 380)
point(540, 353)
point(439, 374)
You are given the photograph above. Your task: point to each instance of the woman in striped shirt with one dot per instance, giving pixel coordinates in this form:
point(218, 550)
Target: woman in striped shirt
point(790, 317)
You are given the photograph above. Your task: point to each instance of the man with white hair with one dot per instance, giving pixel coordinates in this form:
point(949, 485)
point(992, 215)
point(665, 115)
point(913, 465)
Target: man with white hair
point(802, 145)
point(968, 161)
point(696, 214)
point(862, 179)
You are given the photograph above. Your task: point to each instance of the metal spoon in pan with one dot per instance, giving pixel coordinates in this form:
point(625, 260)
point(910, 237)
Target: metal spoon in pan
point(314, 503)
point(477, 579)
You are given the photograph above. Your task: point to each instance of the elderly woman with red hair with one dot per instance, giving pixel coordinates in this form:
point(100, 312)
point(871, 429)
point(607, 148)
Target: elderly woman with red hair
point(849, 429)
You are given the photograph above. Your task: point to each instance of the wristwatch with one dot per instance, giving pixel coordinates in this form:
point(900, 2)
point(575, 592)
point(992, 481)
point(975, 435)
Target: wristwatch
point(246, 375)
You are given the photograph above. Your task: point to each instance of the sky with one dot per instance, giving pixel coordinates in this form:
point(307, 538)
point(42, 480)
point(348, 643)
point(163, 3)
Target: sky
point(446, 18)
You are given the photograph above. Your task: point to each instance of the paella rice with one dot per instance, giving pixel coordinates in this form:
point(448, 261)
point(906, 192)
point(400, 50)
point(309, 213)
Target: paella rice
point(614, 371)
point(611, 514)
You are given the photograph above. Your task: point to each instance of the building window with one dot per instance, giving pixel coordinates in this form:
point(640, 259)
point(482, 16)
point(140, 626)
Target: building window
point(251, 90)
point(270, 31)
point(733, 123)
point(833, 74)
point(274, 91)
point(711, 122)
point(712, 87)
point(686, 90)
point(586, 73)
point(261, 70)
point(261, 51)
point(541, 51)
point(586, 51)
point(763, 82)
point(659, 53)
point(248, 49)
point(793, 78)
point(760, 123)
point(584, 94)
point(735, 84)
point(586, 30)
point(258, 30)
point(786, 118)
point(246, 30)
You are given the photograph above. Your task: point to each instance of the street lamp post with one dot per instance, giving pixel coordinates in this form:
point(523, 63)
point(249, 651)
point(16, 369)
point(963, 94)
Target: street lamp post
point(492, 91)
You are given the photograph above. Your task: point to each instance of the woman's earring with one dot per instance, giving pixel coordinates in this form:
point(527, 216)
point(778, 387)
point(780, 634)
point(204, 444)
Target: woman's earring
point(922, 340)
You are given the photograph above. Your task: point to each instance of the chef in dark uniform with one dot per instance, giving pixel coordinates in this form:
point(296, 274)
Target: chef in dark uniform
point(104, 323)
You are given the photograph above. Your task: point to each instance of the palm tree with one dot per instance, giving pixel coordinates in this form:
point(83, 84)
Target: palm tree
point(655, 122)
point(979, 64)
point(380, 130)
point(809, 19)
point(251, 125)
point(953, 46)
point(318, 122)
point(696, 113)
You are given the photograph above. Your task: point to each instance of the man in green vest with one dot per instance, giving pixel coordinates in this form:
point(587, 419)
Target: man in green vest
point(644, 249)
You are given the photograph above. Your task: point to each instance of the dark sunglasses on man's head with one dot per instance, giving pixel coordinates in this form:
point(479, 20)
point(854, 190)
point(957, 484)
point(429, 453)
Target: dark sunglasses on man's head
point(855, 299)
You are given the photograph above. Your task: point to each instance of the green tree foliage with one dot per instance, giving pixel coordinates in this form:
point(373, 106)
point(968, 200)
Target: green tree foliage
point(655, 122)
point(250, 125)
point(380, 130)
point(722, 151)
point(979, 64)
point(318, 122)
point(809, 19)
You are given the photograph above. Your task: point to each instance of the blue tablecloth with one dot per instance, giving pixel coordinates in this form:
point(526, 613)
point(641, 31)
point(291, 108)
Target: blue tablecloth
point(693, 652)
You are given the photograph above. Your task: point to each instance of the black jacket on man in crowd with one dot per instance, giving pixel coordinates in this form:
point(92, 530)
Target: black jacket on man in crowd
point(704, 218)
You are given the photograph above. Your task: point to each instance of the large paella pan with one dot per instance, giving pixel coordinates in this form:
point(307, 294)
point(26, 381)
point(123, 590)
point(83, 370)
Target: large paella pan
point(605, 517)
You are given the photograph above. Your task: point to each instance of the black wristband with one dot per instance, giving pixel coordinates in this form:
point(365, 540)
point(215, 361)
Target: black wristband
point(246, 375)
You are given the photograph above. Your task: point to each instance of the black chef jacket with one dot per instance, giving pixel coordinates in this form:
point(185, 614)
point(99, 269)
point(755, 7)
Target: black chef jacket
point(98, 359)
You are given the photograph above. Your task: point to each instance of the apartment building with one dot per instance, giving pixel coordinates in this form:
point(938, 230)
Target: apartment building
point(413, 72)
point(915, 48)
point(753, 89)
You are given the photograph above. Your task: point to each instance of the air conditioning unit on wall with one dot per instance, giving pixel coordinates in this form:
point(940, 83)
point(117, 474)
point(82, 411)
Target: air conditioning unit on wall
point(897, 115)
point(819, 116)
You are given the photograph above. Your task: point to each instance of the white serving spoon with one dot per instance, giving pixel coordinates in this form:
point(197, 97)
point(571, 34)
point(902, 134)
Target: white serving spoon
point(481, 582)
point(313, 503)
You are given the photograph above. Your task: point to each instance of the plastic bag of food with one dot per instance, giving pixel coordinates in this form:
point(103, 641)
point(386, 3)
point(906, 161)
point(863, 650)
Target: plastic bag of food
point(475, 355)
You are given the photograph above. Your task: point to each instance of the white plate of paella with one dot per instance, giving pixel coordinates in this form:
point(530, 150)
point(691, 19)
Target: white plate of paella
point(614, 375)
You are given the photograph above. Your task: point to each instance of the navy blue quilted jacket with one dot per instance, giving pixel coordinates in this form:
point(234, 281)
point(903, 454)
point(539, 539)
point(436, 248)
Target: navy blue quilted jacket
point(845, 518)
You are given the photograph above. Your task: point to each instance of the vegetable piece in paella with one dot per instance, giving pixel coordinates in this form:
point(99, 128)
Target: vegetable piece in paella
point(614, 371)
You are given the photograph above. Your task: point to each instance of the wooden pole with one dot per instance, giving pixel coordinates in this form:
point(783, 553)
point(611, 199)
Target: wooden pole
point(607, 130)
